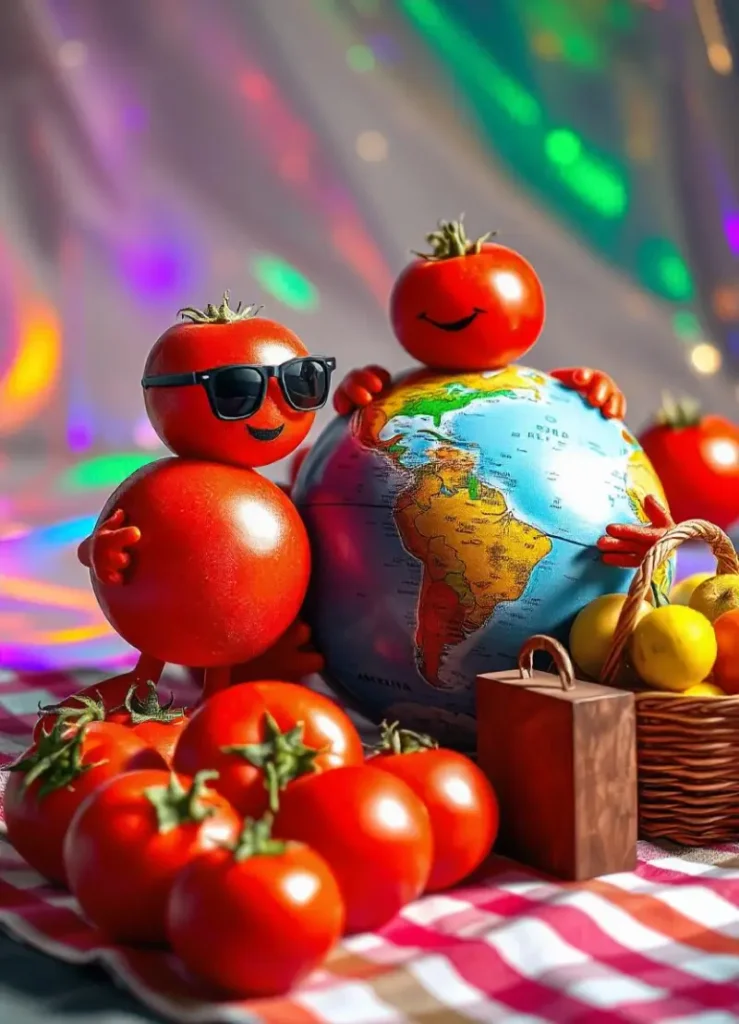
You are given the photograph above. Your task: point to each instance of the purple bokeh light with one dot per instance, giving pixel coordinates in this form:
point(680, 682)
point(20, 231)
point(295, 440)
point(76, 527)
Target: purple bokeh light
point(158, 270)
point(731, 230)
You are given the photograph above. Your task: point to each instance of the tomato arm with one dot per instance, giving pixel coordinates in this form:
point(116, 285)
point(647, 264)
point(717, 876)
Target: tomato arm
point(107, 551)
point(596, 387)
point(359, 388)
point(626, 544)
point(84, 552)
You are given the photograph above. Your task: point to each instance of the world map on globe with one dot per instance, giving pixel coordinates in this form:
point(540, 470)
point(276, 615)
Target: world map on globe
point(453, 518)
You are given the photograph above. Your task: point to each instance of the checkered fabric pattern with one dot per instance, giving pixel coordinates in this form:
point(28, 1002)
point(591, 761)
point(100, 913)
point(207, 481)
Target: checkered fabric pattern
point(659, 945)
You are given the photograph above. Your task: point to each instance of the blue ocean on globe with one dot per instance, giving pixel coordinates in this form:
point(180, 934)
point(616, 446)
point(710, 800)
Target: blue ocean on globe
point(452, 519)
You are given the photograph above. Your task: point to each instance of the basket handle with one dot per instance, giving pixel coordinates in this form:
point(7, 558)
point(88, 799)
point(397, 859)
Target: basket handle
point(559, 655)
point(692, 529)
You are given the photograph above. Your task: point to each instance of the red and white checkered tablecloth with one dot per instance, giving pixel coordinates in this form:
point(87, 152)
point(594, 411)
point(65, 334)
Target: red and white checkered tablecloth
point(659, 945)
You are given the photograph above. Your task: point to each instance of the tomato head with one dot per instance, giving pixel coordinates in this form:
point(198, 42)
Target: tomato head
point(233, 387)
point(468, 305)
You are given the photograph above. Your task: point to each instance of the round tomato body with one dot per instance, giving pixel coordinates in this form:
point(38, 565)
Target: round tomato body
point(162, 736)
point(127, 842)
point(467, 308)
point(159, 725)
point(372, 830)
point(697, 461)
point(255, 927)
point(462, 807)
point(303, 732)
point(107, 694)
point(182, 416)
point(221, 568)
point(37, 820)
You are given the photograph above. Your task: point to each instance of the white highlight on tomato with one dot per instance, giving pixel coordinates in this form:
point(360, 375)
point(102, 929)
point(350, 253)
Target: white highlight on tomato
point(261, 525)
point(508, 285)
point(459, 792)
point(392, 813)
point(300, 886)
point(724, 453)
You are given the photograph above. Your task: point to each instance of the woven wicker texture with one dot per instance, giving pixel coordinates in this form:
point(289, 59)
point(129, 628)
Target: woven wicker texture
point(687, 747)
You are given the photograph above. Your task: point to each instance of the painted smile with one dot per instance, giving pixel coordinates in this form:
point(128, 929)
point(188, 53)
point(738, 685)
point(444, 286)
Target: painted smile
point(452, 325)
point(263, 434)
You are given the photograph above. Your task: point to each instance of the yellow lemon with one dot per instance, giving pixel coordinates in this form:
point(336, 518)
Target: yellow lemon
point(674, 648)
point(683, 591)
point(593, 629)
point(716, 595)
point(704, 690)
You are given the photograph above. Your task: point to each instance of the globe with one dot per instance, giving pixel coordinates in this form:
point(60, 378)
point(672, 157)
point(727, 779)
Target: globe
point(450, 520)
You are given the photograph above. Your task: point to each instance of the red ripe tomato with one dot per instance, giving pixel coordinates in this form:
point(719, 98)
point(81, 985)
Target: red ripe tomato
point(54, 776)
point(469, 305)
point(106, 695)
point(256, 920)
point(261, 736)
point(220, 570)
point(182, 416)
point(159, 725)
point(459, 798)
point(129, 839)
point(374, 833)
point(139, 709)
point(697, 460)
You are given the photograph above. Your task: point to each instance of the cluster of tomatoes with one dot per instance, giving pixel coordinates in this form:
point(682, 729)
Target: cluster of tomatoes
point(248, 834)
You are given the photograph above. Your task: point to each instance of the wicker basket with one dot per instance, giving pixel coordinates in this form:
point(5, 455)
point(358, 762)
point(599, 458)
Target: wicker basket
point(687, 747)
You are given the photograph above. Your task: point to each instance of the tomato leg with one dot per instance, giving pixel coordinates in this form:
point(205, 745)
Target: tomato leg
point(147, 669)
point(215, 680)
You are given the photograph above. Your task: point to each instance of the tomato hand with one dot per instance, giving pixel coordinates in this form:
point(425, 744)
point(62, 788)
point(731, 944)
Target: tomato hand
point(626, 545)
point(106, 552)
point(597, 388)
point(291, 659)
point(359, 388)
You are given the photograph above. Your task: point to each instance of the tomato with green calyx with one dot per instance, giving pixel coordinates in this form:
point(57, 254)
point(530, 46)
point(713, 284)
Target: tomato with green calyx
point(374, 833)
point(161, 725)
point(109, 693)
point(461, 802)
point(262, 736)
point(696, 458)
point(255, 919)
point(54, 776)
point(141, 711)
point(129, 839)
point(467, 305)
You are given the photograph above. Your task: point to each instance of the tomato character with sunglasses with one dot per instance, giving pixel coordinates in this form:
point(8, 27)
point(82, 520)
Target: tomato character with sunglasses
point(197, 559)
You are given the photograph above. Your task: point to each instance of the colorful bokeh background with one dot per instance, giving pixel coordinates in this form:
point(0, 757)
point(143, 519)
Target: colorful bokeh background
point(293, 151)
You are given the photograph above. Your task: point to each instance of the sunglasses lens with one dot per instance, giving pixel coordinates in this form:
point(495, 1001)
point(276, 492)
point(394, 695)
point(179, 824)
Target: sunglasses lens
point(306, 383)
point(237, 391)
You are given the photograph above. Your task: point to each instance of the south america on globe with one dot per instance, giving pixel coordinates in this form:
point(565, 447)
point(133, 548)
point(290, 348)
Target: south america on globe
point(450, 520)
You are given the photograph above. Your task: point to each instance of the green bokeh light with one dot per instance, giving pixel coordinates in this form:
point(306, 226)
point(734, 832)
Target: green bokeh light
point(104, 471)
point(563, 147)
point(675, 276)
point(686, 325)
point(596, 183)
point(662, 268)
point(360, 58)
point(285, 282)
point(461, 48)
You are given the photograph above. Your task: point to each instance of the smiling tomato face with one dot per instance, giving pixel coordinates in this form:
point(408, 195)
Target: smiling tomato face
point(479, 310)
point(184, 415)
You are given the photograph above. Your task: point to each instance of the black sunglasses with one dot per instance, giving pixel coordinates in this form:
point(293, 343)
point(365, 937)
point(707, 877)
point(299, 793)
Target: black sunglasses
point(237, 392)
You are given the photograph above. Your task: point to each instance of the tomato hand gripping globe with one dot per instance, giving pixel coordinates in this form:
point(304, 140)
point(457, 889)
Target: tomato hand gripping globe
point(198, 560)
